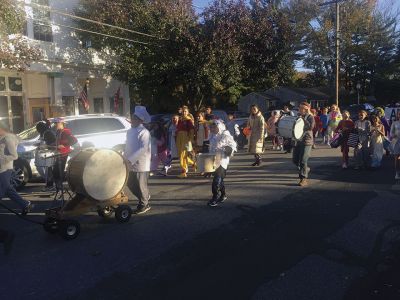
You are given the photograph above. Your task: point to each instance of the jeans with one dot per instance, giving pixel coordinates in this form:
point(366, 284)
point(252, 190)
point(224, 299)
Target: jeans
point(218, 186)
point(7, 190)
point(58, 171)
point(301, 154)
point(137, 184)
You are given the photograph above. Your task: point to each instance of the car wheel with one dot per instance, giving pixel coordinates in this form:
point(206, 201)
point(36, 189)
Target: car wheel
point(19, 176)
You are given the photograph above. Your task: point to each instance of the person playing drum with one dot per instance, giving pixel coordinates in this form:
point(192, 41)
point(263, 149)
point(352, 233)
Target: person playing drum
point(223, 145)
point(48, 140)
point(64, 141)
point(302, 149)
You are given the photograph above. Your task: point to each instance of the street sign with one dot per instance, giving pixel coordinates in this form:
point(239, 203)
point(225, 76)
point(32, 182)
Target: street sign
point(391, 112)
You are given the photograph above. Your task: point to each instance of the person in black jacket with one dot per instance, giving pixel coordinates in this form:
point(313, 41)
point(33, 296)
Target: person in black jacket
point(302, 150)
point(48, 140)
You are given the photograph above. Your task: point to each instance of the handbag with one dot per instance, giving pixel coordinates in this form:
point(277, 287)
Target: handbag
point(336, 140)
point(353, 140)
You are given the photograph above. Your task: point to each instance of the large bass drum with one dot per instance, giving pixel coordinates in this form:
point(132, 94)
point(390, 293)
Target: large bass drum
point(98, 174)
point(291, 127)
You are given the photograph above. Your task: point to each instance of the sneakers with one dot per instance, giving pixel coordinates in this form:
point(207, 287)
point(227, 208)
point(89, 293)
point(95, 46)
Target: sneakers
point(344, 166)
point(27, 209)
point(141, 209)
point(222, 199)
point(212, 203)
point(8, 242)
point(166, 169)
point(397, 177)
point(48, 189)
point(182, 175)
point(303, 182)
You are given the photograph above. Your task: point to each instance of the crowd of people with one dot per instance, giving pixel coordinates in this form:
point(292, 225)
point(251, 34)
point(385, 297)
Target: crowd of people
point(151, 144)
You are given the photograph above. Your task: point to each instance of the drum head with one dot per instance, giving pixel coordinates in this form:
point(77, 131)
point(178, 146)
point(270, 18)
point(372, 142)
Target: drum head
point(298, 129)
point(104, 175)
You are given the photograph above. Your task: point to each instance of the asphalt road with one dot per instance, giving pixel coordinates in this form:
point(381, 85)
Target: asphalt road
point(336, 239)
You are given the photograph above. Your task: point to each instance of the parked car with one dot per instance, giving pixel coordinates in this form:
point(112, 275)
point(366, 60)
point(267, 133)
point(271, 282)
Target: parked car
point(95, 130)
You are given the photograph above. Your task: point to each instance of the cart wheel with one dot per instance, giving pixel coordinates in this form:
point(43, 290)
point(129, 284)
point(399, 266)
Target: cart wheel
point(123, 213)
point(69, 229)
point(105, 212)
point(51, 225)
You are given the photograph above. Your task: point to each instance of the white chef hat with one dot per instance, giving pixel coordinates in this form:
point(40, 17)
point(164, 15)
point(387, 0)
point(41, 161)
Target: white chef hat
point(142, 114)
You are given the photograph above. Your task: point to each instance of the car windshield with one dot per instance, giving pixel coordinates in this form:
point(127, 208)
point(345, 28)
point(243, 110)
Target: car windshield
point(29, 134)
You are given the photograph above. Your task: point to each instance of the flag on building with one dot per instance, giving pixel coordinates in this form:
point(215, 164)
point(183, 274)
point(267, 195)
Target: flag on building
point(116, 100)
point(83, 97)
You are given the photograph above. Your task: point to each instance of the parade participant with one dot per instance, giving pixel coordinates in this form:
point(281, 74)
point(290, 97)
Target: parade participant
point(287, 142)
point(302, 149)
point(47, 139)
point(233, 127)
point(334, 118)
point(272, 123)
point(138, 153)
point(377, 134)
point(380, 112)
point(208, 114)
point(317, 126)
point(345, 127)
point(395, 144)
point(64, 141)
point(256, 139)
point(158, 147)
point(361, 152)
point(8, 153)
point(202, 131)
point(324, 118)
point(184, 141)
point(172, 151)
point(222, 145)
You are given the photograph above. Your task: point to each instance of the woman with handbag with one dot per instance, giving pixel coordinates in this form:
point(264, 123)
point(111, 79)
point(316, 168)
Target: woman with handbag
point(256, 139)
point(345, 127)
point(184, 140)
point(395, 143)
point(361, 151)
point(377, 135)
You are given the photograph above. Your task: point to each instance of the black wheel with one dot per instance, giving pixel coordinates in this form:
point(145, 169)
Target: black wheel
point(19, 176)
point(123, 213)
point(51, 225)
point(69, 229)
point(105, 212)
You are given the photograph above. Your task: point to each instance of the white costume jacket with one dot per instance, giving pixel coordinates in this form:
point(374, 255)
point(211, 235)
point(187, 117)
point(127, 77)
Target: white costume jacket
point(138, 149)
point(218, 142)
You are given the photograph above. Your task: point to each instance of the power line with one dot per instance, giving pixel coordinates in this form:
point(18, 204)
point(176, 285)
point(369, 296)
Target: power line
point(95, 22)
point(89, 31)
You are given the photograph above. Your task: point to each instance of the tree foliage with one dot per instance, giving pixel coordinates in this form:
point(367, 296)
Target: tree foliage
point(213, 58)
point(15, 51)
point(368, 40)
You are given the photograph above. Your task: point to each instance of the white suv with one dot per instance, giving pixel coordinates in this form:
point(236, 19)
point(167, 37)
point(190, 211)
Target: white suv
point(95, 130)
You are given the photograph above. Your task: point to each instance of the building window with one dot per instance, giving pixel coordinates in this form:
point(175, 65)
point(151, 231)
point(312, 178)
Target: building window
point(2, 83)
point(120, 110)
point(15, 84)
point(98, 105)
point(41, 21)
point(69, 104)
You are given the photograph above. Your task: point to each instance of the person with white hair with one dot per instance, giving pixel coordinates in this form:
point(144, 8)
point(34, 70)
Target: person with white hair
point(222, 145)
point(138, 153)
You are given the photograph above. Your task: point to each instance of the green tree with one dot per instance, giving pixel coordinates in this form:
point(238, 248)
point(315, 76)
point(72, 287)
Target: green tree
point(15, 51)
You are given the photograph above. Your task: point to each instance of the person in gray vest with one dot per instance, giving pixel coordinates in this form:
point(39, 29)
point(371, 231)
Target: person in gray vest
point(8, 153)
point(138, 153)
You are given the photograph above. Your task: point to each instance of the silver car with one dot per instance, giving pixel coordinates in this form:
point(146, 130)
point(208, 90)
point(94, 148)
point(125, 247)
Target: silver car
point(94, 130)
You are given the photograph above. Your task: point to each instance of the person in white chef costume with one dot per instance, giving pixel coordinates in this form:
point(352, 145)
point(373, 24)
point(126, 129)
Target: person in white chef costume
point(223, 146)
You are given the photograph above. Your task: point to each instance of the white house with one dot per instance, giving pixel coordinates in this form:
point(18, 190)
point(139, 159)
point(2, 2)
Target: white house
point(51, 86)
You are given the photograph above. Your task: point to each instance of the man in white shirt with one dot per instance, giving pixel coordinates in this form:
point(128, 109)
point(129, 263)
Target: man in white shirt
point(138, 153)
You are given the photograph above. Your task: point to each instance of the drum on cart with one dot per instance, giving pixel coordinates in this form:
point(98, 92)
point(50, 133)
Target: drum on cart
point(291, 127)
point(98, 174)
point(205, 162)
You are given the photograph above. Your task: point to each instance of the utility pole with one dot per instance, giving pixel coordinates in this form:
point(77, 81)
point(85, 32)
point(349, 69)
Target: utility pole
point(337, 54)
